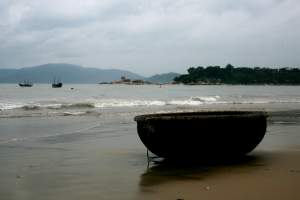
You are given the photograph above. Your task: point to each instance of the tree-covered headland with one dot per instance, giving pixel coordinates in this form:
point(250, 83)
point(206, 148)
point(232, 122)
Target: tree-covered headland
point(240, 75)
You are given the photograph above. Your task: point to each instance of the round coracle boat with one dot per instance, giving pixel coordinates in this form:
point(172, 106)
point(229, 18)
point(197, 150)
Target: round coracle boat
point(202, 134)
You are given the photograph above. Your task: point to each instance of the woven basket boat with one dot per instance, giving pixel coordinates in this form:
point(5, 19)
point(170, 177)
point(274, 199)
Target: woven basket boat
point(202, 134)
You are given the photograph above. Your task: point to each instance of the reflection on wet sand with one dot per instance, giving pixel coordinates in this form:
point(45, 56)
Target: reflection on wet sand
point(163, 171)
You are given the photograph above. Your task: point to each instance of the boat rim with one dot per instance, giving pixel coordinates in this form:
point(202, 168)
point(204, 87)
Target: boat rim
point(201, 115)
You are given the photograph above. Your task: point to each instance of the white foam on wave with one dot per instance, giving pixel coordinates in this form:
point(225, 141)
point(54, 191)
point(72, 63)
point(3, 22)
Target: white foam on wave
point(206, 98)
point(184, 102)
point(11, 140)
point(266, 101)
point(128, 103)
point(284, 122)
point(193, 101)
point(73, 113)
point(88, 104)
point(10, 106)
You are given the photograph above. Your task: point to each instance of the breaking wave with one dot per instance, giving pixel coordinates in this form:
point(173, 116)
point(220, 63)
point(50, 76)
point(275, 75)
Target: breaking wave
point(206, 99)
point(111, 103)
point(73, 105)
point(10, 106)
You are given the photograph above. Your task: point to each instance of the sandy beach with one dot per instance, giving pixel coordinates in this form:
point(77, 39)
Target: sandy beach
point(101, 157)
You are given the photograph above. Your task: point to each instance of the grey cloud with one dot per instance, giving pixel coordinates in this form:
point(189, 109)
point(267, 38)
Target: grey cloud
point(150, 36)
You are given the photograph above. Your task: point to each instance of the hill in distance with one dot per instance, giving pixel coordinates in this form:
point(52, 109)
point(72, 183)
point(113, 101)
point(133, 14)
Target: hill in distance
point(68, 73)
point(163, 78)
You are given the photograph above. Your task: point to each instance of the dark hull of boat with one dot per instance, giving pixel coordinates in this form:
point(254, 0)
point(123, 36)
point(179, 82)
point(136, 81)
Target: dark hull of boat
point(57, 85)
point(202, 134)
point(25, 85)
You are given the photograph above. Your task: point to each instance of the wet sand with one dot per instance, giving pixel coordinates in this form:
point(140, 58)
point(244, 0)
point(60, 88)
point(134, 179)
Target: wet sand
point(263, 175)
point(101, 157)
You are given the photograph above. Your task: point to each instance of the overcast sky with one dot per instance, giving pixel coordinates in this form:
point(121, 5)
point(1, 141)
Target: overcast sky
point(150, 36)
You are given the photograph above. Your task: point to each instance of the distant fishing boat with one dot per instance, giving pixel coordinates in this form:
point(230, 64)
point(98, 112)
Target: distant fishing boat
point(25, 84)
point(57, 83)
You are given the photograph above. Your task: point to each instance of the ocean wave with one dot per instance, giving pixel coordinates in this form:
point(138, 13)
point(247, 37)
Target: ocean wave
point(206, 99)
point(31, 107)
point(111, 103)
point(10, 106)
point(264, 102)
point(74, 113)
point(11, 140)
point(129, 103)
point(284, 122)
point(188, 102)
point(56, 106)
point(81, 105)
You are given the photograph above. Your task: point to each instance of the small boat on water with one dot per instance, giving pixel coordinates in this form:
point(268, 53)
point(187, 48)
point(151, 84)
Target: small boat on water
point(57, 83)
point(25, 84)
point(202, 135)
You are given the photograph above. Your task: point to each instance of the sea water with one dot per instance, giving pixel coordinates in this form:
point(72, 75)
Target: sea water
point(85, 99)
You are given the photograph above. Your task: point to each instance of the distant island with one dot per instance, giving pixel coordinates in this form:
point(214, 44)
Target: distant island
point(69, 73)
point(127, 81)
point(157, 79)
point(239, 75)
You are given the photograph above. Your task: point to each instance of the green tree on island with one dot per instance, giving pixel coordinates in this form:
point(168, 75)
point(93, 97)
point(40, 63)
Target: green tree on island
point(239, 75)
